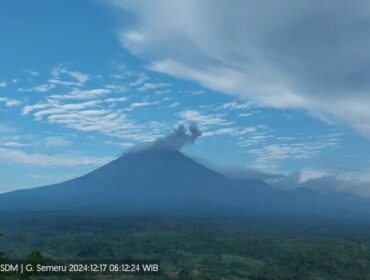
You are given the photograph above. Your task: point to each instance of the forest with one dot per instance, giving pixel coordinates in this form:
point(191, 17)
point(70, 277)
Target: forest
point(251, 248)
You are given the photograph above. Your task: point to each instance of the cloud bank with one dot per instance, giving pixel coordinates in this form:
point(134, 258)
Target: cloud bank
point(309, 179)
point(309, 55)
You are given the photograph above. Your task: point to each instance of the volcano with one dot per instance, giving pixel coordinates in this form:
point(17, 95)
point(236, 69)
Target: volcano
point(159, 182)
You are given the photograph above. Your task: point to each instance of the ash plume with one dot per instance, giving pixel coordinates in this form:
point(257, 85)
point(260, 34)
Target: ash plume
point(180, 137)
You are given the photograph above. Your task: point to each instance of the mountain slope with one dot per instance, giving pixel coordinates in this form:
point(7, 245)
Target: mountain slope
point(143, 181)
point(170, 183)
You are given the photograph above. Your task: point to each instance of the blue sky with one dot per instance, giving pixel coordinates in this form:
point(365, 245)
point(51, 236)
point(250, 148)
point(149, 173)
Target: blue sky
point(83, 81)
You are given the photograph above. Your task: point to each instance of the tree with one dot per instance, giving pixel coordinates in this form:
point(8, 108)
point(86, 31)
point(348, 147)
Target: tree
point(185, 274)
point(2, 254)
point(35, 257)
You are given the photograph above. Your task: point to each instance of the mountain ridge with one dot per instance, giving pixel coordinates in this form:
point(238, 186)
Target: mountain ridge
point(170, 183)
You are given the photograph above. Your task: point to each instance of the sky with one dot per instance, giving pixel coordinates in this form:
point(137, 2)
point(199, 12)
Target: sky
point(277, 87)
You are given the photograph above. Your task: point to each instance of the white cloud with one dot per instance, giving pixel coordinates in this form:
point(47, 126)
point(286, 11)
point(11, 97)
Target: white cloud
point(97, 115)
point(269, 156)
point(292, 54)
point(233, 105)
point(32, 72)
point(135, 105)
point(243, 115)
point(12, 144)
point(10, 102)
point(55, 107)
point(174, 104)
point(116, 88)
point(257, 138)
point(202, 119)
point(14, 156)
point(232, 131)
point(63, 83)
point(58, 73)
point(217, 124)
point(79, 77)
point(311, 174)
point(142, 77)
point(3, 84)
point(115, 100)
point(151, 86)
point(82, 94)
point(29, 108)
point(133, 38)
point(39, 88)
point(125, 145)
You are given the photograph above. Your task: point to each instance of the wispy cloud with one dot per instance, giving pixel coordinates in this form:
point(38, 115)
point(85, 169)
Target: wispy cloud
point(287, 59)
point(58, 75)
point(269, 156)
point(12, 142)
point(135, 105)
point(82, 94)
point(98, 109)
point(233, 105)
point(174, 104)
point(151, 86)
point(59, 71)
point(92, 116)
point(32, 72)
point(16, 156)
point(39, 88)
point(203, 119)
point(141, 78)
point(56, 141)
point(37, 106)
point(231, 131)
point(9, 102)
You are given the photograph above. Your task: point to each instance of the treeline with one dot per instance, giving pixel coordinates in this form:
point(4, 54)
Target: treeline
point(197, 250)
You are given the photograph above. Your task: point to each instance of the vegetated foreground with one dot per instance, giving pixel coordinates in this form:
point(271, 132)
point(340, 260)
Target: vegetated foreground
point(252, 248)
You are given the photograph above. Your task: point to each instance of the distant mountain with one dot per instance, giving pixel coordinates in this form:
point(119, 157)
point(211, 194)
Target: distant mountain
point(169, 183)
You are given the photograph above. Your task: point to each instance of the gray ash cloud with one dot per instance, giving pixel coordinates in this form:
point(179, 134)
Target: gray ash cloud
point(181, 136)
